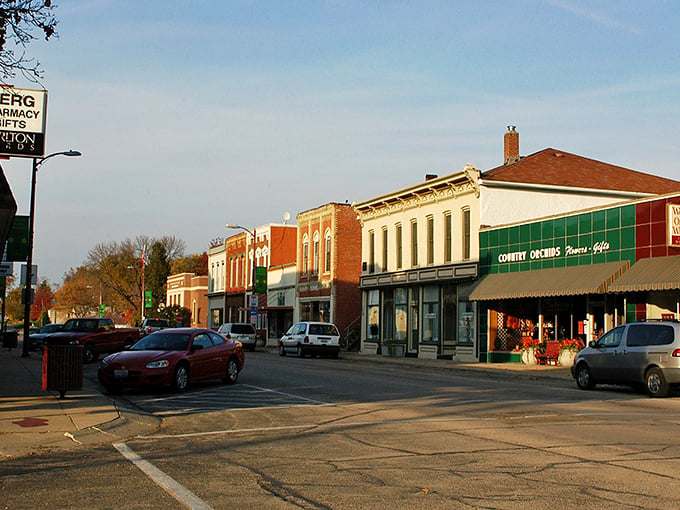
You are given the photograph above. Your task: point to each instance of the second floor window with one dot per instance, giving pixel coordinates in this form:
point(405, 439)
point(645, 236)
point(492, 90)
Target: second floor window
point(371, 252)
point(305, 254)
point(384, 249)
point(466, 234)
point(316, 253)
point(399, 247)
point(327, 259)
point(414, 243)
point(430, 240)
point(448, 227)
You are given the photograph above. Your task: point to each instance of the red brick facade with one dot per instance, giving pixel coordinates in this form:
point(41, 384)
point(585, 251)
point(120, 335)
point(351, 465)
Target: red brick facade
point(329, 265)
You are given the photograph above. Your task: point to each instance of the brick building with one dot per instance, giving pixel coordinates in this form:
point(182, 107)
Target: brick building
point(189, 291)
point(329, 266)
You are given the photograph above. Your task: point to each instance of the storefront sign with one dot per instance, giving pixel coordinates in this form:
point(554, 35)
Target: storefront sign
point(673, 224)
point(555, 251)
point(22, 121)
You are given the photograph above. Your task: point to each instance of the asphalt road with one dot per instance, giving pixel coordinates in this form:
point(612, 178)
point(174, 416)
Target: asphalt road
point(319, 433)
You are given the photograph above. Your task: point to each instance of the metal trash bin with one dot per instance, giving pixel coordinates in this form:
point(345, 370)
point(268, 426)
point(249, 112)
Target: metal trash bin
point(62, 368)
point(10, 339)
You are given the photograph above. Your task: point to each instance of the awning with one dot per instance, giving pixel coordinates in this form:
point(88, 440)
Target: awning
point(558, 281)
point(658, 273)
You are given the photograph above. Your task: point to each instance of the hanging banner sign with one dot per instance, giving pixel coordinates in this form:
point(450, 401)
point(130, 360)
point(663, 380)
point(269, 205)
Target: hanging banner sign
point(673, 225)
point(23, 114)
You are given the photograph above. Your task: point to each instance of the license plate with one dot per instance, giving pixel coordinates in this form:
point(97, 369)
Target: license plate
point(324, 340)
point(120, 374)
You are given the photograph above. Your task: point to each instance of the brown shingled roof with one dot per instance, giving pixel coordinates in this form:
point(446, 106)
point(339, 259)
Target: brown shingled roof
point(558, 168)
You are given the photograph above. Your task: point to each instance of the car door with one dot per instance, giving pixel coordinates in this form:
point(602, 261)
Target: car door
point(204, 363)
point(605, 355)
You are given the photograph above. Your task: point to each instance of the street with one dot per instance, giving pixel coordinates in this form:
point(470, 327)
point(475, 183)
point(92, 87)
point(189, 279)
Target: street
point(320, 433)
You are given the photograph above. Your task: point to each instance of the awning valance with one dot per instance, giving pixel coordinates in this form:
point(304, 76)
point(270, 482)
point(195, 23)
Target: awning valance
point(559, 281)
point(658, 273)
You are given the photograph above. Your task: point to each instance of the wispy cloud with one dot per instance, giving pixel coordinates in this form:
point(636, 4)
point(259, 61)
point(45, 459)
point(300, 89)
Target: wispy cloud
point(589, 13)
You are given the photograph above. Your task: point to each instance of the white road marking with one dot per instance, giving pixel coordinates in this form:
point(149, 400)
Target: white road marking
point(176, 490)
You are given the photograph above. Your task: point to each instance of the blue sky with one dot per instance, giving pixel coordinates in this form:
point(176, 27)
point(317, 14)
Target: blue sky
point(192, 114)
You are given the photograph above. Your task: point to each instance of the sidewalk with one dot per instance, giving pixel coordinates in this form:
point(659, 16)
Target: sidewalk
point(33, 421)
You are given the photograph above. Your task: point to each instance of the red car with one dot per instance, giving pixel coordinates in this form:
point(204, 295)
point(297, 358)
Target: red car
point(173, 357)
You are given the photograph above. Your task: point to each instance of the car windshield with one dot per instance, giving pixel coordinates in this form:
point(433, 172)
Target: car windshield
point(160, 341)
point(82, 325)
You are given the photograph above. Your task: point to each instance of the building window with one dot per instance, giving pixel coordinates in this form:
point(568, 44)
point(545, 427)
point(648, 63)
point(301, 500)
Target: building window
point(466, 234)
point(401, 314)
point(448, 238)
point(316, 253)
point(384, 249)
point(327, 260)
point(431, 314)
point(305, 254)
point(430, 240)
point(414, 243)
point(399, 242)
point(373, 316)
point(371, 252)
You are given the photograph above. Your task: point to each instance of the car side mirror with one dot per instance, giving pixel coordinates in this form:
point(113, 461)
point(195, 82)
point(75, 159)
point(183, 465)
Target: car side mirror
point(593, 344)
point(195, 348)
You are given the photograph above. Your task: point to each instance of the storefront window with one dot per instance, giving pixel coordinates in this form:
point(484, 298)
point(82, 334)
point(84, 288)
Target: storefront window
point(373, 315)
point(400, 314)
point(431, 314)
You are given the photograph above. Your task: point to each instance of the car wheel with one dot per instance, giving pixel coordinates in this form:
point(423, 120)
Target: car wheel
point(334, 355)
point(656, 384)
point(89, 354)
point(180, 381)
point(584, 379)
point(282, 349)
point(232, 372)
point(299, 352)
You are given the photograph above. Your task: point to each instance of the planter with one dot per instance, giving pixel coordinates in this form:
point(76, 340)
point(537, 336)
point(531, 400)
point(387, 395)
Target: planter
point(566, 358)
point(529, 356)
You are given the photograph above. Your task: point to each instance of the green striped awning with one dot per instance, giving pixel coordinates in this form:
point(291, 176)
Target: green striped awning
point(658, 273)
point(559, 281)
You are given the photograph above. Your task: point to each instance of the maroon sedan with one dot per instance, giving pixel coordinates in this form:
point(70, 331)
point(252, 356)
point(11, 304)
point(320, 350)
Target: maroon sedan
point(173, 357)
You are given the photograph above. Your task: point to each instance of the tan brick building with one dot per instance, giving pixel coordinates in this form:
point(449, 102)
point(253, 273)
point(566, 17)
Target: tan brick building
point(190, 291)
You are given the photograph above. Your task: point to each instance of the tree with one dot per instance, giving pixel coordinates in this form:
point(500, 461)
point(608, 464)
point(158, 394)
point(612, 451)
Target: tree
point(176, 315)
point(43, 300)
point(14, 309)
point(19, 20)
point(196, 263)
point(157, 272)
point(75, 295)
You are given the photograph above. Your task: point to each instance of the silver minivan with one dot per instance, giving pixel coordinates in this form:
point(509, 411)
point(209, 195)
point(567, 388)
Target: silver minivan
point(240, 332)
point(640, 354)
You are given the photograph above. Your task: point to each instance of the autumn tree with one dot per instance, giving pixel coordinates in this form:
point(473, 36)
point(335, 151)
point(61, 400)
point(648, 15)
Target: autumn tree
point(196, 263)
point(75, 295)
point(20, 21)
point(43, 300)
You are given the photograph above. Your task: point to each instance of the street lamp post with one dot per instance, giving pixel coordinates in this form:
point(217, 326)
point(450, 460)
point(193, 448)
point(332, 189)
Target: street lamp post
point(252, 264)
point(28, 291)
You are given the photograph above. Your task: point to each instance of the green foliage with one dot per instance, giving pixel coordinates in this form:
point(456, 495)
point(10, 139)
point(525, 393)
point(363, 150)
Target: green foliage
point(196, 263)
point(176, 314)
point(157, 272)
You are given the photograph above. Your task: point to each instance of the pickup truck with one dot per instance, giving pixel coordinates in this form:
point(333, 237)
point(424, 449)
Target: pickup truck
point(97, 335)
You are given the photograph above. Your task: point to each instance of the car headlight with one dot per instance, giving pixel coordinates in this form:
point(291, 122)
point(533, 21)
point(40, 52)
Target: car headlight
point(161, 363)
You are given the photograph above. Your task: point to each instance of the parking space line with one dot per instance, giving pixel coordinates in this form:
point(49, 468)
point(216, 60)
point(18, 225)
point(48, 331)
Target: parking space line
point(167, 483)
point(286, 394)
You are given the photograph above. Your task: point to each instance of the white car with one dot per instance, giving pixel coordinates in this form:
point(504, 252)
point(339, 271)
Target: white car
point(311, 338)
point(240, 332)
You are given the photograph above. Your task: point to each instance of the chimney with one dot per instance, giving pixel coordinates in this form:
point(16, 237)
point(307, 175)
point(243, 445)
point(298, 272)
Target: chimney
point(511, 146)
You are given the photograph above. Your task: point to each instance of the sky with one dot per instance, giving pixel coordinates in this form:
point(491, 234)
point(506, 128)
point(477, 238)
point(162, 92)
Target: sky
point(193, 114)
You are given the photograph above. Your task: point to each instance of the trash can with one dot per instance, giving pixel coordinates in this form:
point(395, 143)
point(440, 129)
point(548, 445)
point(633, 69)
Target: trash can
point(62, 368)
point(10, 339)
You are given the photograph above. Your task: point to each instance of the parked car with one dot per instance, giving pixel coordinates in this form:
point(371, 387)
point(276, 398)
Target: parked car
point(311, 338)
point(244, 333)
point(151, 325)
point(640, 354)
point(173, 357)
point(37, 340)
point(97, 335)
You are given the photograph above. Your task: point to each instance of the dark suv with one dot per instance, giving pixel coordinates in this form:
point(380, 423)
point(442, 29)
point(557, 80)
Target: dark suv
point(151, 325)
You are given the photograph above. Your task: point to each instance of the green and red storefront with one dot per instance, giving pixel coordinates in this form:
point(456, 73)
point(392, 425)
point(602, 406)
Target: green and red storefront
point(577, 275)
